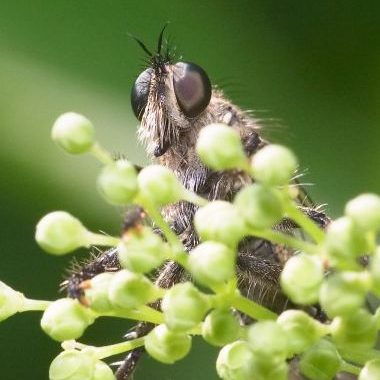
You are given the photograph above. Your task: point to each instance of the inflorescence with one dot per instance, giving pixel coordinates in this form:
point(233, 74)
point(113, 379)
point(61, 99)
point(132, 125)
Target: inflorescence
point(328, 270)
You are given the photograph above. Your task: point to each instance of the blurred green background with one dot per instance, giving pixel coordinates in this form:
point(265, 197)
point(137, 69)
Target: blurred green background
point(310, 69)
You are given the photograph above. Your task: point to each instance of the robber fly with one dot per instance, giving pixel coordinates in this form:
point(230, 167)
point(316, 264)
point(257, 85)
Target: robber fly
point(173, 101)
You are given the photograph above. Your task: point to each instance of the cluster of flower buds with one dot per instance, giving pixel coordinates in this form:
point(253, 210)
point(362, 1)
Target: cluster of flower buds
point(335, 269)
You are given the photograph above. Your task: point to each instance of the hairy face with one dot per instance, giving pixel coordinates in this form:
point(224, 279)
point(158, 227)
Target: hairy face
point(169, 99)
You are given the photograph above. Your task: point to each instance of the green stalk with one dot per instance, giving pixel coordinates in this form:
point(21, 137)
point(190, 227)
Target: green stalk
point(304, 222)
point(281, 238)
point(189, 196)
point(143, 313)
point(34, 305)
point(359, 356)
point(101, 154)
point(99, 239)
point(350, 368)
point(251, 308)
point(118, 348)
point(156, 216)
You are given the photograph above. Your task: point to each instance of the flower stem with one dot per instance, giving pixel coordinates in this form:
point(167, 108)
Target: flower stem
point(99, 239)
point(143, 313)
point(350, 368)
point(304, 221)
point(278, 237)
point(359, 356)
point(194, 198)
point(114, 349)
point(34, 305)
point(156, 216)
point(101, 154)
point(251, 308)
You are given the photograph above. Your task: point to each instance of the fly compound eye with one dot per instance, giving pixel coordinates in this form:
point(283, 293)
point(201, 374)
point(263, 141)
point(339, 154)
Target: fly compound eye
point(192, 88)
point(140, 93)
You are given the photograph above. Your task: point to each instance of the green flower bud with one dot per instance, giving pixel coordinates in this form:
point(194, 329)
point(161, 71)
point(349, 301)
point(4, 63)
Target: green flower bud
point(117, 182)
point(66, 319)
point(160, 185)
point(301, 278)
point(212, 263)
point(344, 243)
point(142, 251)
point(97, 293)
point(220, 147)
point(320, 362)
point(166, 345)
point(261, 207)
point(301, 330)
point(11, 301)
point(184, 307)
point(375, 271)
point(234, 362)
point(103, 372)
point(72, 365)
point(268, 338)
point(220, 221)
point(371, 370)
point(266, 367)
point(129, 290)
point(364, 210)
point(344, 293)
point(220, 327)
point(357, 331)
point(59, 233)
point(73, 133)
point(274, 165)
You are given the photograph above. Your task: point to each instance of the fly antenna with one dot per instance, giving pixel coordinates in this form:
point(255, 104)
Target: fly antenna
point(159, 44)
point(142, 45)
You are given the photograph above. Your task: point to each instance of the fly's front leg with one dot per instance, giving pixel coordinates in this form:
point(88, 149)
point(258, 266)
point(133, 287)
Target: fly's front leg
point(105, 262)
point(171, 274)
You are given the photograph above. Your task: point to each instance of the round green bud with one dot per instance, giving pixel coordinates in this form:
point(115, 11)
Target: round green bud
point(357, 331)
point(66, 319)
point(220, 327)
point(11, 301)
point(97, 293)
point(220, 221)
point(344, 243)
point(266, 367)
point(73, 133)
point(220, 147)
point(212, 263)
point(160, 185)
point(364, 210)
point(320, 362)
point(344, 293)
point(59, 233)
point(184, 307)
point(261, 207)
point(117, 182)
point(268, 338)
point(301, 330)
point(274, 165)
point(142, 251)
point(166, 345)
point(129, 290)
point(375, 271)
point(301, 278)
point(234, 362)
point(371, 370)
point(103, 372)
point(72, 365)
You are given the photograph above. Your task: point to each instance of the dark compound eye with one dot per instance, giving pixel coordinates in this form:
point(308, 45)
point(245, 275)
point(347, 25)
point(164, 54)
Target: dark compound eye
point(192, 88)
point(140, 93)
